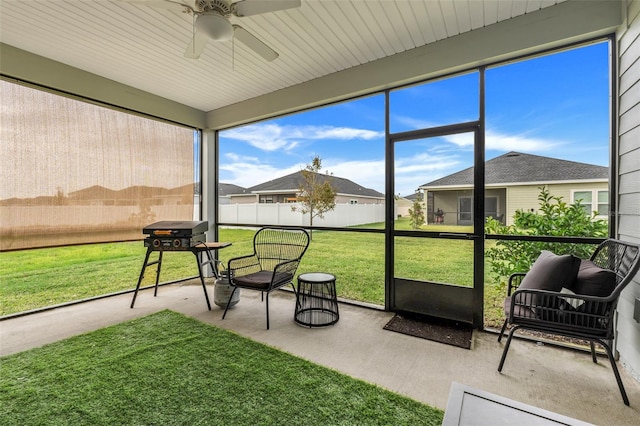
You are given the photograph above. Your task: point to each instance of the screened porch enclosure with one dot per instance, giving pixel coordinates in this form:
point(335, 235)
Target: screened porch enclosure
point(457, 291)
point(141, 73)
point(447, 90)
point(457, 206)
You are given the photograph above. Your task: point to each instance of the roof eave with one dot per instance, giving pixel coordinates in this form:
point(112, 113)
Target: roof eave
point(505, 184)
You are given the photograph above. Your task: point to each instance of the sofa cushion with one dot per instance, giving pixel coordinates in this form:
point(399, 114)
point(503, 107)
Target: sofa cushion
point(257, 280)
point(551, 272)
point(593, 280)
point(262, 280)
point(518, 310)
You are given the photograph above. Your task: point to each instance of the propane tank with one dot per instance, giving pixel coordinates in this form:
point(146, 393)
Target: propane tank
point(222, 290)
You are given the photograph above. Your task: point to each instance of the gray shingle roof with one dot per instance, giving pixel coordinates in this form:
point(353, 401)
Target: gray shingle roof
point(225, 189)
point(516, 167)
point(413, 197)
point(291, 183)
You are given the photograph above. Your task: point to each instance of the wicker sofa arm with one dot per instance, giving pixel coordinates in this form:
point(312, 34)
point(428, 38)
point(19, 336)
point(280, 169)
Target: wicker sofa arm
point(244, 265)
point(514, 281)
point(283, 273)
point(288, 267)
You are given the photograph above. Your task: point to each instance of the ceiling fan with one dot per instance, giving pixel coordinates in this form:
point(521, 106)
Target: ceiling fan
point(211, 21)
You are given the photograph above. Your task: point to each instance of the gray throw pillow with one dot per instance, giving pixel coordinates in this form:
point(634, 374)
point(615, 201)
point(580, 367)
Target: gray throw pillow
point(593, 280)
point(551, 272)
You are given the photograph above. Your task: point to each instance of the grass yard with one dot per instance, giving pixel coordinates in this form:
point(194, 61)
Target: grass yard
point(43, 277)
point(168, 369)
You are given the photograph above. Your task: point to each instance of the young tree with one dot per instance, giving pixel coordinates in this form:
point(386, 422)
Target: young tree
point(316, 195)
point(416, 214)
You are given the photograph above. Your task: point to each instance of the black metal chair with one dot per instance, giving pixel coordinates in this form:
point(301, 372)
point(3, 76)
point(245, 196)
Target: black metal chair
point(277, 253)
point(587, 317)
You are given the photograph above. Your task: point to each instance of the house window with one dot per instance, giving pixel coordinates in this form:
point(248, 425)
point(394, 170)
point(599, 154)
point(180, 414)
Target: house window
point(268, 199)
point(491, 207)
point(593, 201)
point(465, 208)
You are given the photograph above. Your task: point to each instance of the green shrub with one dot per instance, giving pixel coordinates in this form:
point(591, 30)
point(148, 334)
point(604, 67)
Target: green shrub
point(416, 215)
point(554, 218)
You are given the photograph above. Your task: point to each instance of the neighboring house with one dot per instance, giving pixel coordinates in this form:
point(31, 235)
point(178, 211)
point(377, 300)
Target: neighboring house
point(403, 204)
point(286, 188)
point(512, 182)
point(226, 189)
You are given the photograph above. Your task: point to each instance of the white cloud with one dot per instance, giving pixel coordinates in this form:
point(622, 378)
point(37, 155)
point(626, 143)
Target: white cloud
point(494, 140)
point(249, 173)
point(410, 172)
point(523, 143)
point(416, 170)
point(344, 133)
point(273, 137)
point(503, 142)
point(369, 174)
point(235, 158)
point(462, 140)
point(267, 137)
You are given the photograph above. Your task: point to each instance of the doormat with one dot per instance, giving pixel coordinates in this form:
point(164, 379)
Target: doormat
point(436, 329)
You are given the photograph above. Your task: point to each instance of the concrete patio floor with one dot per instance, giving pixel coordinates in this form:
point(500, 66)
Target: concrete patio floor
point(551, 378)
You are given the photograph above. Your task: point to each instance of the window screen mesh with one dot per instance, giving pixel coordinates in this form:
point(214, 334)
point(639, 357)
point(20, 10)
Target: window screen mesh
point(74, 172)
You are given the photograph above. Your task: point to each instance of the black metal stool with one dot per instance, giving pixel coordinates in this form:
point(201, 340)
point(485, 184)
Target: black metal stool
point(316, 301)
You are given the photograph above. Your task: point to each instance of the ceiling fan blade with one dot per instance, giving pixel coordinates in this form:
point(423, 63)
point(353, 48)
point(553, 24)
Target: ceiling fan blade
point(256, 7)
point(196, 46)
point(253, 43)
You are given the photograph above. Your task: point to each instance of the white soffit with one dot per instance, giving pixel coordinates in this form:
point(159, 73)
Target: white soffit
point(143, 47)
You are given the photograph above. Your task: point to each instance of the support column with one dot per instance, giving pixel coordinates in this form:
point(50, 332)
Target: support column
point(209, 187)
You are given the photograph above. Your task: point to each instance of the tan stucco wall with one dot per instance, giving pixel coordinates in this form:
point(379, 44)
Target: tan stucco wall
point(243, 199)
point(346, 199)
point(403, 205)
point(521, 197)
point(525, 197)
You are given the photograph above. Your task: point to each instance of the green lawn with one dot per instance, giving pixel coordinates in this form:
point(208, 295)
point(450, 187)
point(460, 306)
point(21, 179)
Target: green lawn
point(43, 277)
point(168, 369)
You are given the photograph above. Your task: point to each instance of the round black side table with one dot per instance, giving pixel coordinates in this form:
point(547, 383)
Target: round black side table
point(317, 302)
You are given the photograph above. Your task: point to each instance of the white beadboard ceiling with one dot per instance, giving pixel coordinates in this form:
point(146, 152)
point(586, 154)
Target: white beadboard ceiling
point(143, 46)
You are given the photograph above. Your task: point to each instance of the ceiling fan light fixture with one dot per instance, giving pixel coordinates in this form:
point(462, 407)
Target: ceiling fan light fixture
point(215, 26)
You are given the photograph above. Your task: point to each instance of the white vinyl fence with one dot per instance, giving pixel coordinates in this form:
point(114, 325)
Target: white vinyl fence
point(281, 214)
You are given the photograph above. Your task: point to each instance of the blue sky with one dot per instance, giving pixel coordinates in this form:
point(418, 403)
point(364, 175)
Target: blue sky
point(553, 105)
